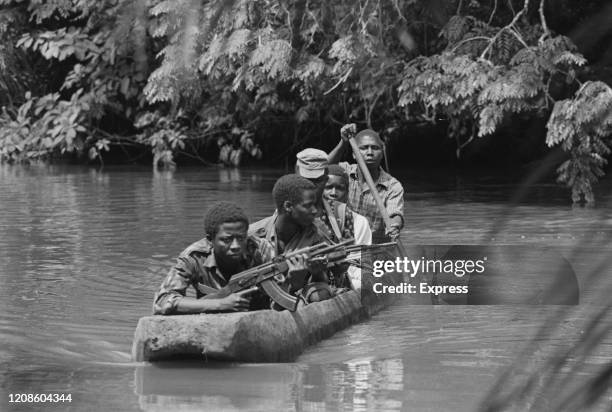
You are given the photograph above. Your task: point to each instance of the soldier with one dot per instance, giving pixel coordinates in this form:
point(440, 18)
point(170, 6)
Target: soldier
point(333, 219)
point(211, 262)
point(292, 227)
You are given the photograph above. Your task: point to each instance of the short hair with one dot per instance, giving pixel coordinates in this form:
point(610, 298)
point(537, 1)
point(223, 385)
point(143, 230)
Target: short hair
point(336, 170)
point(368, 132)
point(290, 188)
point(223, 212)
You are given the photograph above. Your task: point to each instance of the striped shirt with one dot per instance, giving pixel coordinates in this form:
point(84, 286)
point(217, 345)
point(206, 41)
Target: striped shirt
point(361, 200)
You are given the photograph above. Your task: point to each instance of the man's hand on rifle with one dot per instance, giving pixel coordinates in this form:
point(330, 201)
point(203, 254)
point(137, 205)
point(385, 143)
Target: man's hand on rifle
point(301, 265)
point(297, 265)
point(237, 302)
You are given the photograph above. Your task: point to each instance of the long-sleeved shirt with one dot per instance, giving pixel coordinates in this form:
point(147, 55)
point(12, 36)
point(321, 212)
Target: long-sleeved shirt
point(265, 229)
point(361, 200)
point(312, 235)
point(197, 265)
point(305, 237)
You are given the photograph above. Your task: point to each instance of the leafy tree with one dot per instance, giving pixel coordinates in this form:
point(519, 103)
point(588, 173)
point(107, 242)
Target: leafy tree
point(93, 76)
point(187, 77)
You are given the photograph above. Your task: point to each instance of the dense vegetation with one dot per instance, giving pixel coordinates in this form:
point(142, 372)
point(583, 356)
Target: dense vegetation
point(192, 78)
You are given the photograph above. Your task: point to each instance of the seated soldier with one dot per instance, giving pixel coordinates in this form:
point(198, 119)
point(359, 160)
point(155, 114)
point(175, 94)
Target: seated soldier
point(291, 227)
point(332, 218)
point(211, 262)
point(336, 190)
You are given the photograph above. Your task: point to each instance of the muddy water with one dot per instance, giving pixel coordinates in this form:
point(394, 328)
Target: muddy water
point(82, 252)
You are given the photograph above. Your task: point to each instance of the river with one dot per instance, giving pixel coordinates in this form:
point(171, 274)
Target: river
point(82, 252)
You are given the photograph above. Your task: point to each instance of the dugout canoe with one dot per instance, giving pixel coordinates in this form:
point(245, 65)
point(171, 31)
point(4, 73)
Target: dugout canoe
point(515, 274)
point(259, 336)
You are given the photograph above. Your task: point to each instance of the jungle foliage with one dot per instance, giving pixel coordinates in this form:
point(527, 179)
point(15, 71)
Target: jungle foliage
point(187, 77)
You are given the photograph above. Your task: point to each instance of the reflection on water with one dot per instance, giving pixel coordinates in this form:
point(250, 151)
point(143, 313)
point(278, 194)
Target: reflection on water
point(356, 385)
point(82, 252)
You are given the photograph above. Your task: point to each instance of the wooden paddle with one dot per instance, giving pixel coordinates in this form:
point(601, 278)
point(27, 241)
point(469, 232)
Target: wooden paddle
point(379, 203)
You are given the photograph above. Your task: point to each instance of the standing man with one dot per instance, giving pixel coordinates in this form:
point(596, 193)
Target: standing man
point(359, 197)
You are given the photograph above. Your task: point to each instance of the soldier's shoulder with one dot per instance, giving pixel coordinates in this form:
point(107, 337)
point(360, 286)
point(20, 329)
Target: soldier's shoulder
point(256, 242)
point(260, 248)
point(202, 246)
point(259, 229)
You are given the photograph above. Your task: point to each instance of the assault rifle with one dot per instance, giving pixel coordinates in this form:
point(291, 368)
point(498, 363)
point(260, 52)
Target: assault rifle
point(267, 275)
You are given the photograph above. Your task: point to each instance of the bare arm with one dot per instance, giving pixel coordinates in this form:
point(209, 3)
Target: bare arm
point(346, 133)
point(236, 302)
point(338, 152)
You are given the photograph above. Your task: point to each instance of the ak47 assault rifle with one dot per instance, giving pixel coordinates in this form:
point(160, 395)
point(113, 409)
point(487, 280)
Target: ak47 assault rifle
point(268, 275)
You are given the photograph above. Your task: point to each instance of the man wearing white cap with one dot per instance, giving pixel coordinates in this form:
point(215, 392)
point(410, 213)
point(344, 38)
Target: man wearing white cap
point(333, 217)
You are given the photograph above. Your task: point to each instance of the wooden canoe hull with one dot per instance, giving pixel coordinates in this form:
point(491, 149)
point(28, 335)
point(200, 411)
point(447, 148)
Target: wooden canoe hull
point(259, 336)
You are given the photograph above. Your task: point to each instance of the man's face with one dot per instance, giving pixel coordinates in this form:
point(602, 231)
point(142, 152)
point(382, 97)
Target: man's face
point(335, 189)
point(304, 211)
point(229, 244)
point(320, 182)
point(371, 150)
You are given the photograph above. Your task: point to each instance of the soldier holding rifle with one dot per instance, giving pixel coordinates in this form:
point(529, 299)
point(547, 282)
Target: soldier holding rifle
point(334, 218)
point(292, 227)
point(208, 264)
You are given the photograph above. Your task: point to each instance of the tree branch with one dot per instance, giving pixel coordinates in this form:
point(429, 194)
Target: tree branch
point(370, 109)
point(543, 21)
point(509, 26)
point(518, 37)
point(364, 25)
point(342, 80)
point(511, 7)
point(459, 6)
point(492, 13)
point(195, 156)
point(399, 10)
point(468, 40)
